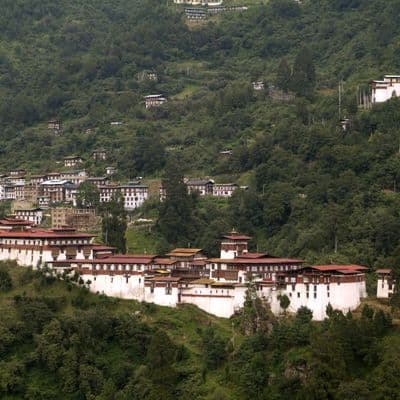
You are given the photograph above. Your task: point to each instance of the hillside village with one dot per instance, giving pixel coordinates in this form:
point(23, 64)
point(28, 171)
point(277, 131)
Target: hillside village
point(56, 193)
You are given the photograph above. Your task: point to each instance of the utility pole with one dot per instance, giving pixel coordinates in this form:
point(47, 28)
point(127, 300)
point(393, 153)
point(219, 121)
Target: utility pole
point(340, 99)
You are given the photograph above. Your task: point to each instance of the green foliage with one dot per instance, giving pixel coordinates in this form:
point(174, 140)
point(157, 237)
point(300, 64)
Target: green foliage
point(214, 348)
point(121, 350)
point(88, 196)
point(284, 302)
point(114, 223)
point(5, 280)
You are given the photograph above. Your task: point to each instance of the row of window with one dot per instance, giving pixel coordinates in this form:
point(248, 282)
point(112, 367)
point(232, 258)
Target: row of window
point(119, 267)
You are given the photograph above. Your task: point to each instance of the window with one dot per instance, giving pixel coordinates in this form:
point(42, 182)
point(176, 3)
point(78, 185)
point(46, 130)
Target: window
point(315, 295)
point(140, 280)
point(307, 295)
point(298, 295)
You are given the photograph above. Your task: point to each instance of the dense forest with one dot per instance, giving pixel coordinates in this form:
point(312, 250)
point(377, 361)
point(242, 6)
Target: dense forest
point(58, 341)
point(315, 191)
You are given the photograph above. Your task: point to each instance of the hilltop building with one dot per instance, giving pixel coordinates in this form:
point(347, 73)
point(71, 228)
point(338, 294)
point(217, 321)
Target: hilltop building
point(186, 275)
point(384, 90)
point(385, 283)
point(154, 100)
point(99, 155)
point(72, 161)
point(34, 215)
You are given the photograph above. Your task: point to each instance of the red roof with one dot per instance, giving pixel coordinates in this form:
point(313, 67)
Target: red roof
point(255, 261)
point(15, 221)
point(383, 271)
point(164, 261)
point(100, 247)
point(198, 262)
point(43, 234)
point(341, 268)
point(237, 237)
point(165, 278)
point(117, 259)
point(254, 255)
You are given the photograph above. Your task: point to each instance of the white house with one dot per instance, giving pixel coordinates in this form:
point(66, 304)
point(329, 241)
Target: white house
point(154, 100)
point(385, 283)
point(35, 215)
point(134, 195)
point(33, 247)
point(219, 298)
point(382, 91)
point(200, 2)
point(72, 161)
point(224, 189)
point(114, 275)
point(341, 286)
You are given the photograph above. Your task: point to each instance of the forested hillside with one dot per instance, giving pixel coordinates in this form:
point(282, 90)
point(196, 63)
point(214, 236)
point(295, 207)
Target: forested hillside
point(58, 341)
point(314, 191)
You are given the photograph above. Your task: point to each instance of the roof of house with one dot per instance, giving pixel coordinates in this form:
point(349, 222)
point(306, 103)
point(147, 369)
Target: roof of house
point(153, 96)
point(165, 278)
point(225, 184)
point(183, 252)
point(7, 221)
point(233, 235)
point(255, 255)
point(340, 268)
point(203, 281)
point(383, 271)
point(101, 247)
point(199, 182)
point(56, 182)
point(164, 261)
point(45, 233)
point(255, 261)
point(28, 209)
point(116, 259)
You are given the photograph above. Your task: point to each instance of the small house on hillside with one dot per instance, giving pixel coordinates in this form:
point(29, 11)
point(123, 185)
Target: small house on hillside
point(99, 154)
point(154, 100)
point(72, 161)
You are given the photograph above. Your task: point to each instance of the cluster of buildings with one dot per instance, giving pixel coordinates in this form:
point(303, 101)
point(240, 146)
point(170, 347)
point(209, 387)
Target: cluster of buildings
point(209, 9)
point(57, 188)
point(186, 275)
point(206, 187)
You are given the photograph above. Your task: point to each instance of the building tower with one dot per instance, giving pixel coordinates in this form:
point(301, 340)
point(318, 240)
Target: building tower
point(234, 245)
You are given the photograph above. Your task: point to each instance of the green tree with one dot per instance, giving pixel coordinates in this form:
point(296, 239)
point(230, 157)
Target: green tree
point(5, 280)
point(88, 195)
point(283, 75)
point(176, 222)
point(303, 78)
point(214, 348)
point(114, 223)
point(284, 302)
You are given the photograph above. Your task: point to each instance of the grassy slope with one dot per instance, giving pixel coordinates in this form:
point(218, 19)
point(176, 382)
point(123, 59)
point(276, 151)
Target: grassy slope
point(180, 323)
point(183, 325)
